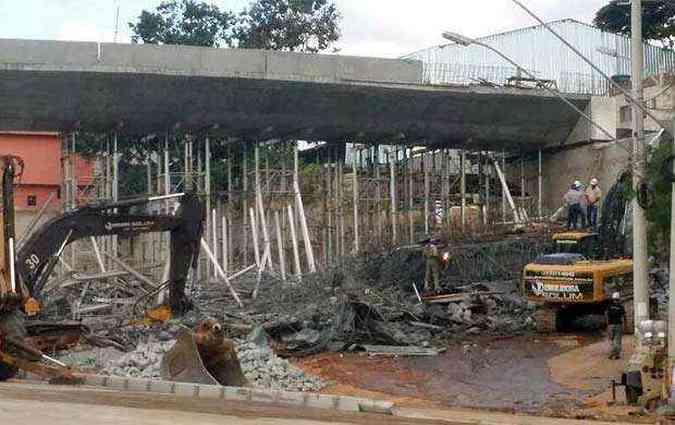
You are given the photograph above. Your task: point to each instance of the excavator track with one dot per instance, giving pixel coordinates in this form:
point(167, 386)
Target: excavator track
point(545, 319)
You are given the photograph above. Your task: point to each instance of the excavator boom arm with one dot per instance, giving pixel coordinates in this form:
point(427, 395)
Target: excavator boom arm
point(39, 255)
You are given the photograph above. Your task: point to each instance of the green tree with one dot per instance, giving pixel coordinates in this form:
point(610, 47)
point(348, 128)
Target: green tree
point(288, 25)
point(184, 22)
point(659, 203)
point(658, 20)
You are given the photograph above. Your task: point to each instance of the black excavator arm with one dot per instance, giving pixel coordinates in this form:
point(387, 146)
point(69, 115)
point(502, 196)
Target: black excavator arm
point(40, 253)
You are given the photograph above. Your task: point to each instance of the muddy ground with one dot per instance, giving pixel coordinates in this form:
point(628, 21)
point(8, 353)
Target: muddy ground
point(562, 376)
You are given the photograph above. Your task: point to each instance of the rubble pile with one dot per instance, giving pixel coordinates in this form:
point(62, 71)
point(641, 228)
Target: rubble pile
point(261, 366)
point(371, 300)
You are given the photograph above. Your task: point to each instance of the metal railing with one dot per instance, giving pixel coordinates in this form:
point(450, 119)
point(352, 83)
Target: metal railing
point(465, 75)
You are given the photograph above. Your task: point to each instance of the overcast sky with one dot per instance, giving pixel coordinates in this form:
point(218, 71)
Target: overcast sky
point(387, 28)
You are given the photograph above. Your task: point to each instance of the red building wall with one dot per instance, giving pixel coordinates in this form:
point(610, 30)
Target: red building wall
point(41, 153)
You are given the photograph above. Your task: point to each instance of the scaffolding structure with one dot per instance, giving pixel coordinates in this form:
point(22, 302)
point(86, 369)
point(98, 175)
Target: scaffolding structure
point(273, 209)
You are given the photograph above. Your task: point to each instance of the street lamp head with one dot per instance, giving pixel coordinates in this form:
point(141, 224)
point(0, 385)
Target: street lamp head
point(457, 38)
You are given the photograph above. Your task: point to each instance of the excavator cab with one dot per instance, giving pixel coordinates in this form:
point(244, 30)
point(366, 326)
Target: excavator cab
point(583, 243)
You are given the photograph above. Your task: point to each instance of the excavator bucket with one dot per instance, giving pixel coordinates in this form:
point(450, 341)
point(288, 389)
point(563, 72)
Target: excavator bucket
point(184, 363)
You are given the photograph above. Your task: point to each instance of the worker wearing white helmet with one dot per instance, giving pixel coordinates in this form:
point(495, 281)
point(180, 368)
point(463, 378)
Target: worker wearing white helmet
point(573, 201)
point(615, 316)
point(593, 197)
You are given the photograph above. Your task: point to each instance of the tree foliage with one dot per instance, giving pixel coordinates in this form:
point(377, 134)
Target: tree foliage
point(288, 25)
point(658, 20)
point(184, 22)
point(659, 205)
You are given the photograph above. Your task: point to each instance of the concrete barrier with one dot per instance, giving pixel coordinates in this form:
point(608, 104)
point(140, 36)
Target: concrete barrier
point(255, 395)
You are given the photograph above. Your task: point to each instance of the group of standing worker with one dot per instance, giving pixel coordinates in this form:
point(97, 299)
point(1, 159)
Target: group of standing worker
point(582, 205)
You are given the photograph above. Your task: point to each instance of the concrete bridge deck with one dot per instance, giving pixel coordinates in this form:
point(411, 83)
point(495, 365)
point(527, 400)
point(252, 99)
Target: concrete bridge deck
point(53, 85)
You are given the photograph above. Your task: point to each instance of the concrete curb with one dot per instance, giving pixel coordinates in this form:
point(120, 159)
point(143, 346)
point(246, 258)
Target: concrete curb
point(255, 395)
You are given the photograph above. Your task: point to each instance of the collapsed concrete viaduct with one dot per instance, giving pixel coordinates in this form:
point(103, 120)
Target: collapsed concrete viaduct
point(53, 85)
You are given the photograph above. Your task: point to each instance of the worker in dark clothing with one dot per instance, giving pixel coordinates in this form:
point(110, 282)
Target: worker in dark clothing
point(435, 262)
point(615, 316)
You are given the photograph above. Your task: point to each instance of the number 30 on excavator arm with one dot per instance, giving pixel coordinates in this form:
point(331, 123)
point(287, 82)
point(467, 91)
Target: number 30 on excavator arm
point(23, 274)
point(40, 253)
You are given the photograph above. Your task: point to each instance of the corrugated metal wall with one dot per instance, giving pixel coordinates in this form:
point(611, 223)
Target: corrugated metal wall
point(537, 50)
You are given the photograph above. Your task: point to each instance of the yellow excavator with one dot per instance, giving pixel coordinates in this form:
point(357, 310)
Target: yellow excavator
point(584, 269)
point(24, 272)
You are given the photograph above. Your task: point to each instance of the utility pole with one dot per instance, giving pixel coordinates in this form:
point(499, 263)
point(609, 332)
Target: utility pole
point(671, 289)
point(640, 272)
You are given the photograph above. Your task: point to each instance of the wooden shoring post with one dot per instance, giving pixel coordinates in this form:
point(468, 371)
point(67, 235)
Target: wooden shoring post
point(167, 171)
point(294, 240)
point(462, 171)
point(224, 243)
point(443, 196)
point(268, 188)
point(283, 184)
point(148, 176)
point(340, 219)
point(392, 192)
point(324, 207)
point(522, 207)
point(115, 189)
point(478, 191)
point(97, 253)
point(210, 221)
point(189, 163)
point(244, 202)
point(487, 188)
point(411, 201)
point(221, 273)
point(503, 172)
point(260, 208)
point(355, 192)
point(427, 188)
point(507, 194)
point(227, 212)
point(330, 205)
point(447, 160)
point(214, 235)
point(107, 240)
point(378, 195)
point(522, 179)
point(167, 190)
point(158, 183)
point(265, 230)
point(254, 233)
point(309, 253)
point(540, 184)
point(280, 246)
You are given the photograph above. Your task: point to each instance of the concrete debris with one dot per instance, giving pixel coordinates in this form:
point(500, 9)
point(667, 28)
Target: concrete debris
point(261, 366)
point(385, 350)
point(259, 337)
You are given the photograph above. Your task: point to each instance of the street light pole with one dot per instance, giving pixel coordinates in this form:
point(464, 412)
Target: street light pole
point(613, 83)
point(640, 261)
